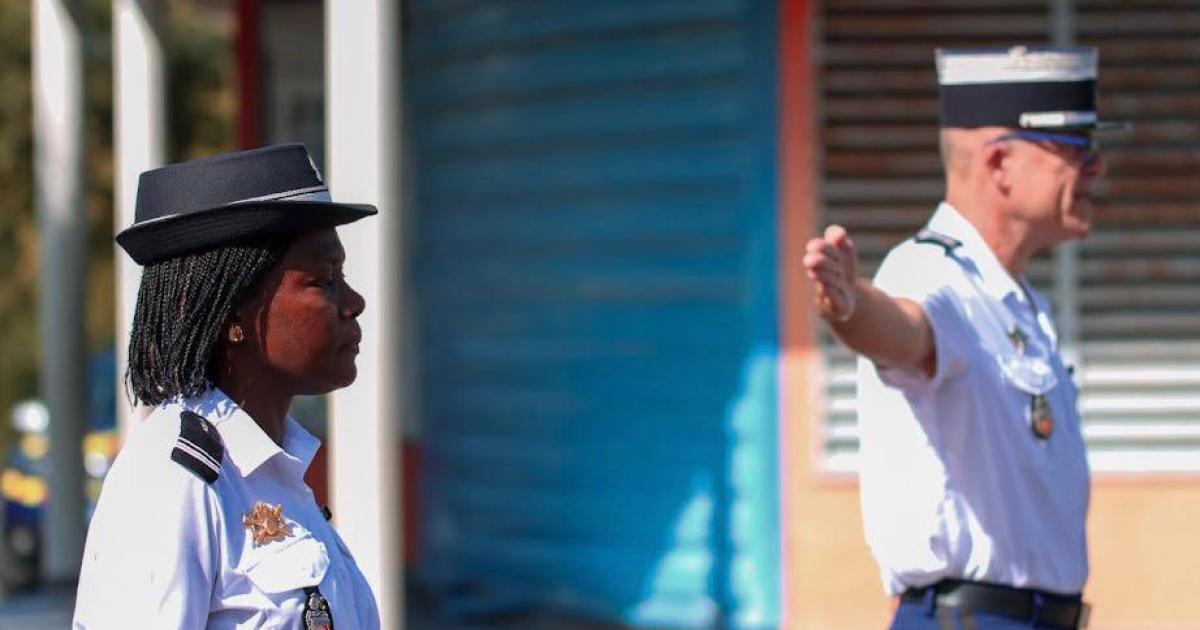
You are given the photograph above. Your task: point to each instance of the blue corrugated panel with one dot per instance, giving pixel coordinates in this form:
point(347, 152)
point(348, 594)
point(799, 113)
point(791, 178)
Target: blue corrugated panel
point(595, 254)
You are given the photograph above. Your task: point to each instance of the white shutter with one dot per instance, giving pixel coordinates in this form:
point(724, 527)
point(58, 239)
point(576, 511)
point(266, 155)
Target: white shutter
point(1139, 287)
point(1139, 290)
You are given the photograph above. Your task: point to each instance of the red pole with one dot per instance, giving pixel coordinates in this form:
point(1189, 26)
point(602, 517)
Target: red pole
point(798, 142)
point(249, 62)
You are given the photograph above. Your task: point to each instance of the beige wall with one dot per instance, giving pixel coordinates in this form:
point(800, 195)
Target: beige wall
point(1144, 540)
point(1145, 551)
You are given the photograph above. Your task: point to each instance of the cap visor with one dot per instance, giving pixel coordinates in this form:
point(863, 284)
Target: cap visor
point(1111, 125)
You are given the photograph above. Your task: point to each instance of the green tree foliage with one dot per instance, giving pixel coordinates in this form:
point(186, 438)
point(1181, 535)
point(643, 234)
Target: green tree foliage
point(199, 58)
point(18, 228)
point(201, 100)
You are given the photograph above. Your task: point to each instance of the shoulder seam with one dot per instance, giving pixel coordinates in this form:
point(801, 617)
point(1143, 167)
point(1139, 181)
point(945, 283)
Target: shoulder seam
point(947, 243)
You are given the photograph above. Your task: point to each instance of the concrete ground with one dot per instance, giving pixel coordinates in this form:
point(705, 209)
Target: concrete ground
point(49, 608)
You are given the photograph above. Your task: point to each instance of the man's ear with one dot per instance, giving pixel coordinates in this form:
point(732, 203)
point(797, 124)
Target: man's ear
point(997, 165)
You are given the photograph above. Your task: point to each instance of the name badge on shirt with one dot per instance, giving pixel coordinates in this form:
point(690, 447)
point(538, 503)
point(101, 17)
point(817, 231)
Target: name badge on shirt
point(1040, 419)
point(316, 611)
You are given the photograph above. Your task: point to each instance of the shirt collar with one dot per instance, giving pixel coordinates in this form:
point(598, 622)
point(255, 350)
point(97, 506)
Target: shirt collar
point(995, 279)
point(246, 444)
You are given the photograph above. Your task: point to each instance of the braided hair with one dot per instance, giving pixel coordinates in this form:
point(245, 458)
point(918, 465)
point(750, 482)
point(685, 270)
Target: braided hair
point(182, 305)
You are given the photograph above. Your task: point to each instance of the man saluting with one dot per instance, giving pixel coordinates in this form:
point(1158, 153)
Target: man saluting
point(974, 475)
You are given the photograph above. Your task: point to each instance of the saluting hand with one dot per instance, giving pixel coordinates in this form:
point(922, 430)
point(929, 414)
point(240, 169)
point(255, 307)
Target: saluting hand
point(832, 264)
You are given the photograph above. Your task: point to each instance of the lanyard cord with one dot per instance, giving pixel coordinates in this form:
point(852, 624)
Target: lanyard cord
point(1034, 374)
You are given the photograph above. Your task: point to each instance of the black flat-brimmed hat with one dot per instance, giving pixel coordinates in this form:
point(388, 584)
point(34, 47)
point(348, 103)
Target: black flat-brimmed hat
point(202, 204)
point(1043, 88)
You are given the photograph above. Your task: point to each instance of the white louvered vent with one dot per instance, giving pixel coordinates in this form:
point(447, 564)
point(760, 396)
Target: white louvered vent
point(1139, 290)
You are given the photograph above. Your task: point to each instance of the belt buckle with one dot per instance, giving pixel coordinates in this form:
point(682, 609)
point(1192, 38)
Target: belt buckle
point(1079, 620)
point(1084, 614)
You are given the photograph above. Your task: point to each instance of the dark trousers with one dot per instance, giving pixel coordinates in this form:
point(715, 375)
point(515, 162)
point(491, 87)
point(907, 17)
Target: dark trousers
point(924, 616)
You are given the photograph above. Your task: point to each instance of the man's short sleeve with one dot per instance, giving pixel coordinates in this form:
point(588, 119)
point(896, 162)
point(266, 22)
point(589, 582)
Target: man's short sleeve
point(927, 275)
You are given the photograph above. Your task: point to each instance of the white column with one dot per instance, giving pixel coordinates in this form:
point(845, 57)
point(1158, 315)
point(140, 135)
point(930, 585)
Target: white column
point(362, 140)
point(138, 138)
point(58, 184)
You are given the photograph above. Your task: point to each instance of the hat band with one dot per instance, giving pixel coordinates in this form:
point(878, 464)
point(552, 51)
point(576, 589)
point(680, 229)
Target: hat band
point(1004, 104)
point(311, 193)
point(1036, 120)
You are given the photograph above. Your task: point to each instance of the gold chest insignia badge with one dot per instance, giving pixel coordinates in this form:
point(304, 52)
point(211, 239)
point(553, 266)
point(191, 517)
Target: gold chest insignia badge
point(266, 523)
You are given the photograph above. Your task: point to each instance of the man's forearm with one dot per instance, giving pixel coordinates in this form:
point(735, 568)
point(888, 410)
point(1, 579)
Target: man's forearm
point(892, 332)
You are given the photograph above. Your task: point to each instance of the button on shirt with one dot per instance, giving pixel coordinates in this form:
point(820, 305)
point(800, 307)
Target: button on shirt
point(167, 550)
point(954, 483)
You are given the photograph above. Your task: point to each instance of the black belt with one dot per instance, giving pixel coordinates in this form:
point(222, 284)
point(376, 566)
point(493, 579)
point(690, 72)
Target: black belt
point(1058, 611)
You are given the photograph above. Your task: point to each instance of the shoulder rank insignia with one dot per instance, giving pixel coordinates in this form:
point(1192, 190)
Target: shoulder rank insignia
point(199, 448)
point(937, 238)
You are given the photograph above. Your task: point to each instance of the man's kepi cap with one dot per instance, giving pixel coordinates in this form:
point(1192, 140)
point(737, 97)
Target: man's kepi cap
point(1025, 87)
point(203, 204)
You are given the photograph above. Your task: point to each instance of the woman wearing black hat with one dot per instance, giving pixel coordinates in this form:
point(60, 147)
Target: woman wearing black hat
point(205, 520)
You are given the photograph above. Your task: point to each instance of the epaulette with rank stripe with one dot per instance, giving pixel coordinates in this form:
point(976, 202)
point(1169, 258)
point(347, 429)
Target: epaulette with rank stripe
point(937, 238)
point(199, 448)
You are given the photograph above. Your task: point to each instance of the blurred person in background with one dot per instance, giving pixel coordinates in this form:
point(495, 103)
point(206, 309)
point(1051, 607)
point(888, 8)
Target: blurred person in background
point(205, 520)
point(975, 481)
point(23, 487)
point(23, 490)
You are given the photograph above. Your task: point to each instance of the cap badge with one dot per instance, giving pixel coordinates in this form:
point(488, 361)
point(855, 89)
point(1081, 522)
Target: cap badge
point(266, 523)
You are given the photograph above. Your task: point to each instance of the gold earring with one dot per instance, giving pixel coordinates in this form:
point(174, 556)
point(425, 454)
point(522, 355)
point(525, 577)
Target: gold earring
point(235, 334)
